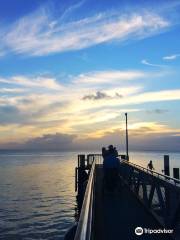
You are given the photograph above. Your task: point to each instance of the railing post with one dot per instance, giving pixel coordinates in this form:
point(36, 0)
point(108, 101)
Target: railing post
point(88, 161)
point(76, 180)
point(166, 165)
point(81, 177)
point(176, 173)
point(81, 160)
point(127, 143)
point(167, 193)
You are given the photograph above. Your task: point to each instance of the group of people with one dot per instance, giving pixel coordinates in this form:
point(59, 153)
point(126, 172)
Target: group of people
point(110, 165)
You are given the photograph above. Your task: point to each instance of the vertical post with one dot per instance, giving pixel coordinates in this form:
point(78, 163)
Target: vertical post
point(76, 181)
point(166, 165)
point(127, 147)
point(81, 176)
point(88, 161)
point(167, 193)
point(82, 161)
point(176, 173)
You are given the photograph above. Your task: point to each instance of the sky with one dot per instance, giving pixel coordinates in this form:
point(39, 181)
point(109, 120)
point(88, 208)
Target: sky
point(70, 69)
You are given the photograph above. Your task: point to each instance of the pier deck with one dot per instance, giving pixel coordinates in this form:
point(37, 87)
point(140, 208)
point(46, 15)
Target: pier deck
point(118, 214)
point(144, 198)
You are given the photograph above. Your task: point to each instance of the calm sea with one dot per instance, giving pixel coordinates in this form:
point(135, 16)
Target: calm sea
point(37, 198)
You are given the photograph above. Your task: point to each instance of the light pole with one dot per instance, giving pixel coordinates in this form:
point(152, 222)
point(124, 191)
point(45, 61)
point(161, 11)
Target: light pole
point(127, 147)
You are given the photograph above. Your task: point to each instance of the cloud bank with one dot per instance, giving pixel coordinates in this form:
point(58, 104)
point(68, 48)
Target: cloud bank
point(88, 106)
point(68, 142)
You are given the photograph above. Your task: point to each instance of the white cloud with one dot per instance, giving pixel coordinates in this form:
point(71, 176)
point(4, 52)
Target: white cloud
point(40, 82)
point(109, 77)
point(145, 62)
point(156, 96)
point(11, 90)
point(171, 57)
point(39, 34)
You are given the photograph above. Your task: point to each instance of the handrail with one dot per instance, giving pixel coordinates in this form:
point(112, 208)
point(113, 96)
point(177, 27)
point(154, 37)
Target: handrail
point(84, 228)
point(164, 177)
point(175, 181)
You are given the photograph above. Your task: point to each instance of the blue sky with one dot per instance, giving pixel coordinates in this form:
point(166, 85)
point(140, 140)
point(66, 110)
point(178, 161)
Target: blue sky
point(70, 69)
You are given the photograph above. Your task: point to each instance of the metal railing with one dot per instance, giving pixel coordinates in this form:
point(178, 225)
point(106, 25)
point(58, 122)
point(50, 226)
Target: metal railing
point(84, 229)
point(97, 158)
point(164, 177)
point(159, 193)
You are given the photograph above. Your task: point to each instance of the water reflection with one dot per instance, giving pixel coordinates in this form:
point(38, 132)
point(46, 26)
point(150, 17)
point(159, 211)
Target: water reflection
point(37, 198)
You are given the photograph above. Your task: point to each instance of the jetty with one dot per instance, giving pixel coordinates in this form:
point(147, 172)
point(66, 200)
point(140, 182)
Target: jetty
point(146, 204)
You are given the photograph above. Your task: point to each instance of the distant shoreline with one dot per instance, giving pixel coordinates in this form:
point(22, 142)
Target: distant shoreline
point(79, 151)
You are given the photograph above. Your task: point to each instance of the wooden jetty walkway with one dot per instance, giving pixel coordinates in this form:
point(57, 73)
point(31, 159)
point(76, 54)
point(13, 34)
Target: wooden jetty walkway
point(118, 214)
point(144, 199)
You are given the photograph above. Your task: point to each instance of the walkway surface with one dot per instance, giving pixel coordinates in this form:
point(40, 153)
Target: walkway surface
point(118, 214)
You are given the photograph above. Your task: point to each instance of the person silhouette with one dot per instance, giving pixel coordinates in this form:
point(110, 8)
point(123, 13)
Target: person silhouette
point(110, 166)
point(150, 165)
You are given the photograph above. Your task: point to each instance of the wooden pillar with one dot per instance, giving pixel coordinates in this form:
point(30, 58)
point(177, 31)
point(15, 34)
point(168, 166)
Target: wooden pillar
point(88, 162)
point(166, 165)
point(127, 143)
point(176, 173)
point(81, 161)
point(81, 178)
point(167, 193)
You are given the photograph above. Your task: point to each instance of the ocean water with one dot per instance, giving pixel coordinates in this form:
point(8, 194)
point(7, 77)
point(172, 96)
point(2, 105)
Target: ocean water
point(37, 198)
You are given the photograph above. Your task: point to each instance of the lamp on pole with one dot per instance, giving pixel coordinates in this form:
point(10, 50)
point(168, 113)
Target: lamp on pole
point(127, 147)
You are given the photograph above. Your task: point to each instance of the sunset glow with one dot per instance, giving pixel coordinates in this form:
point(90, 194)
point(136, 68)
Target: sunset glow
point(69, 74)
